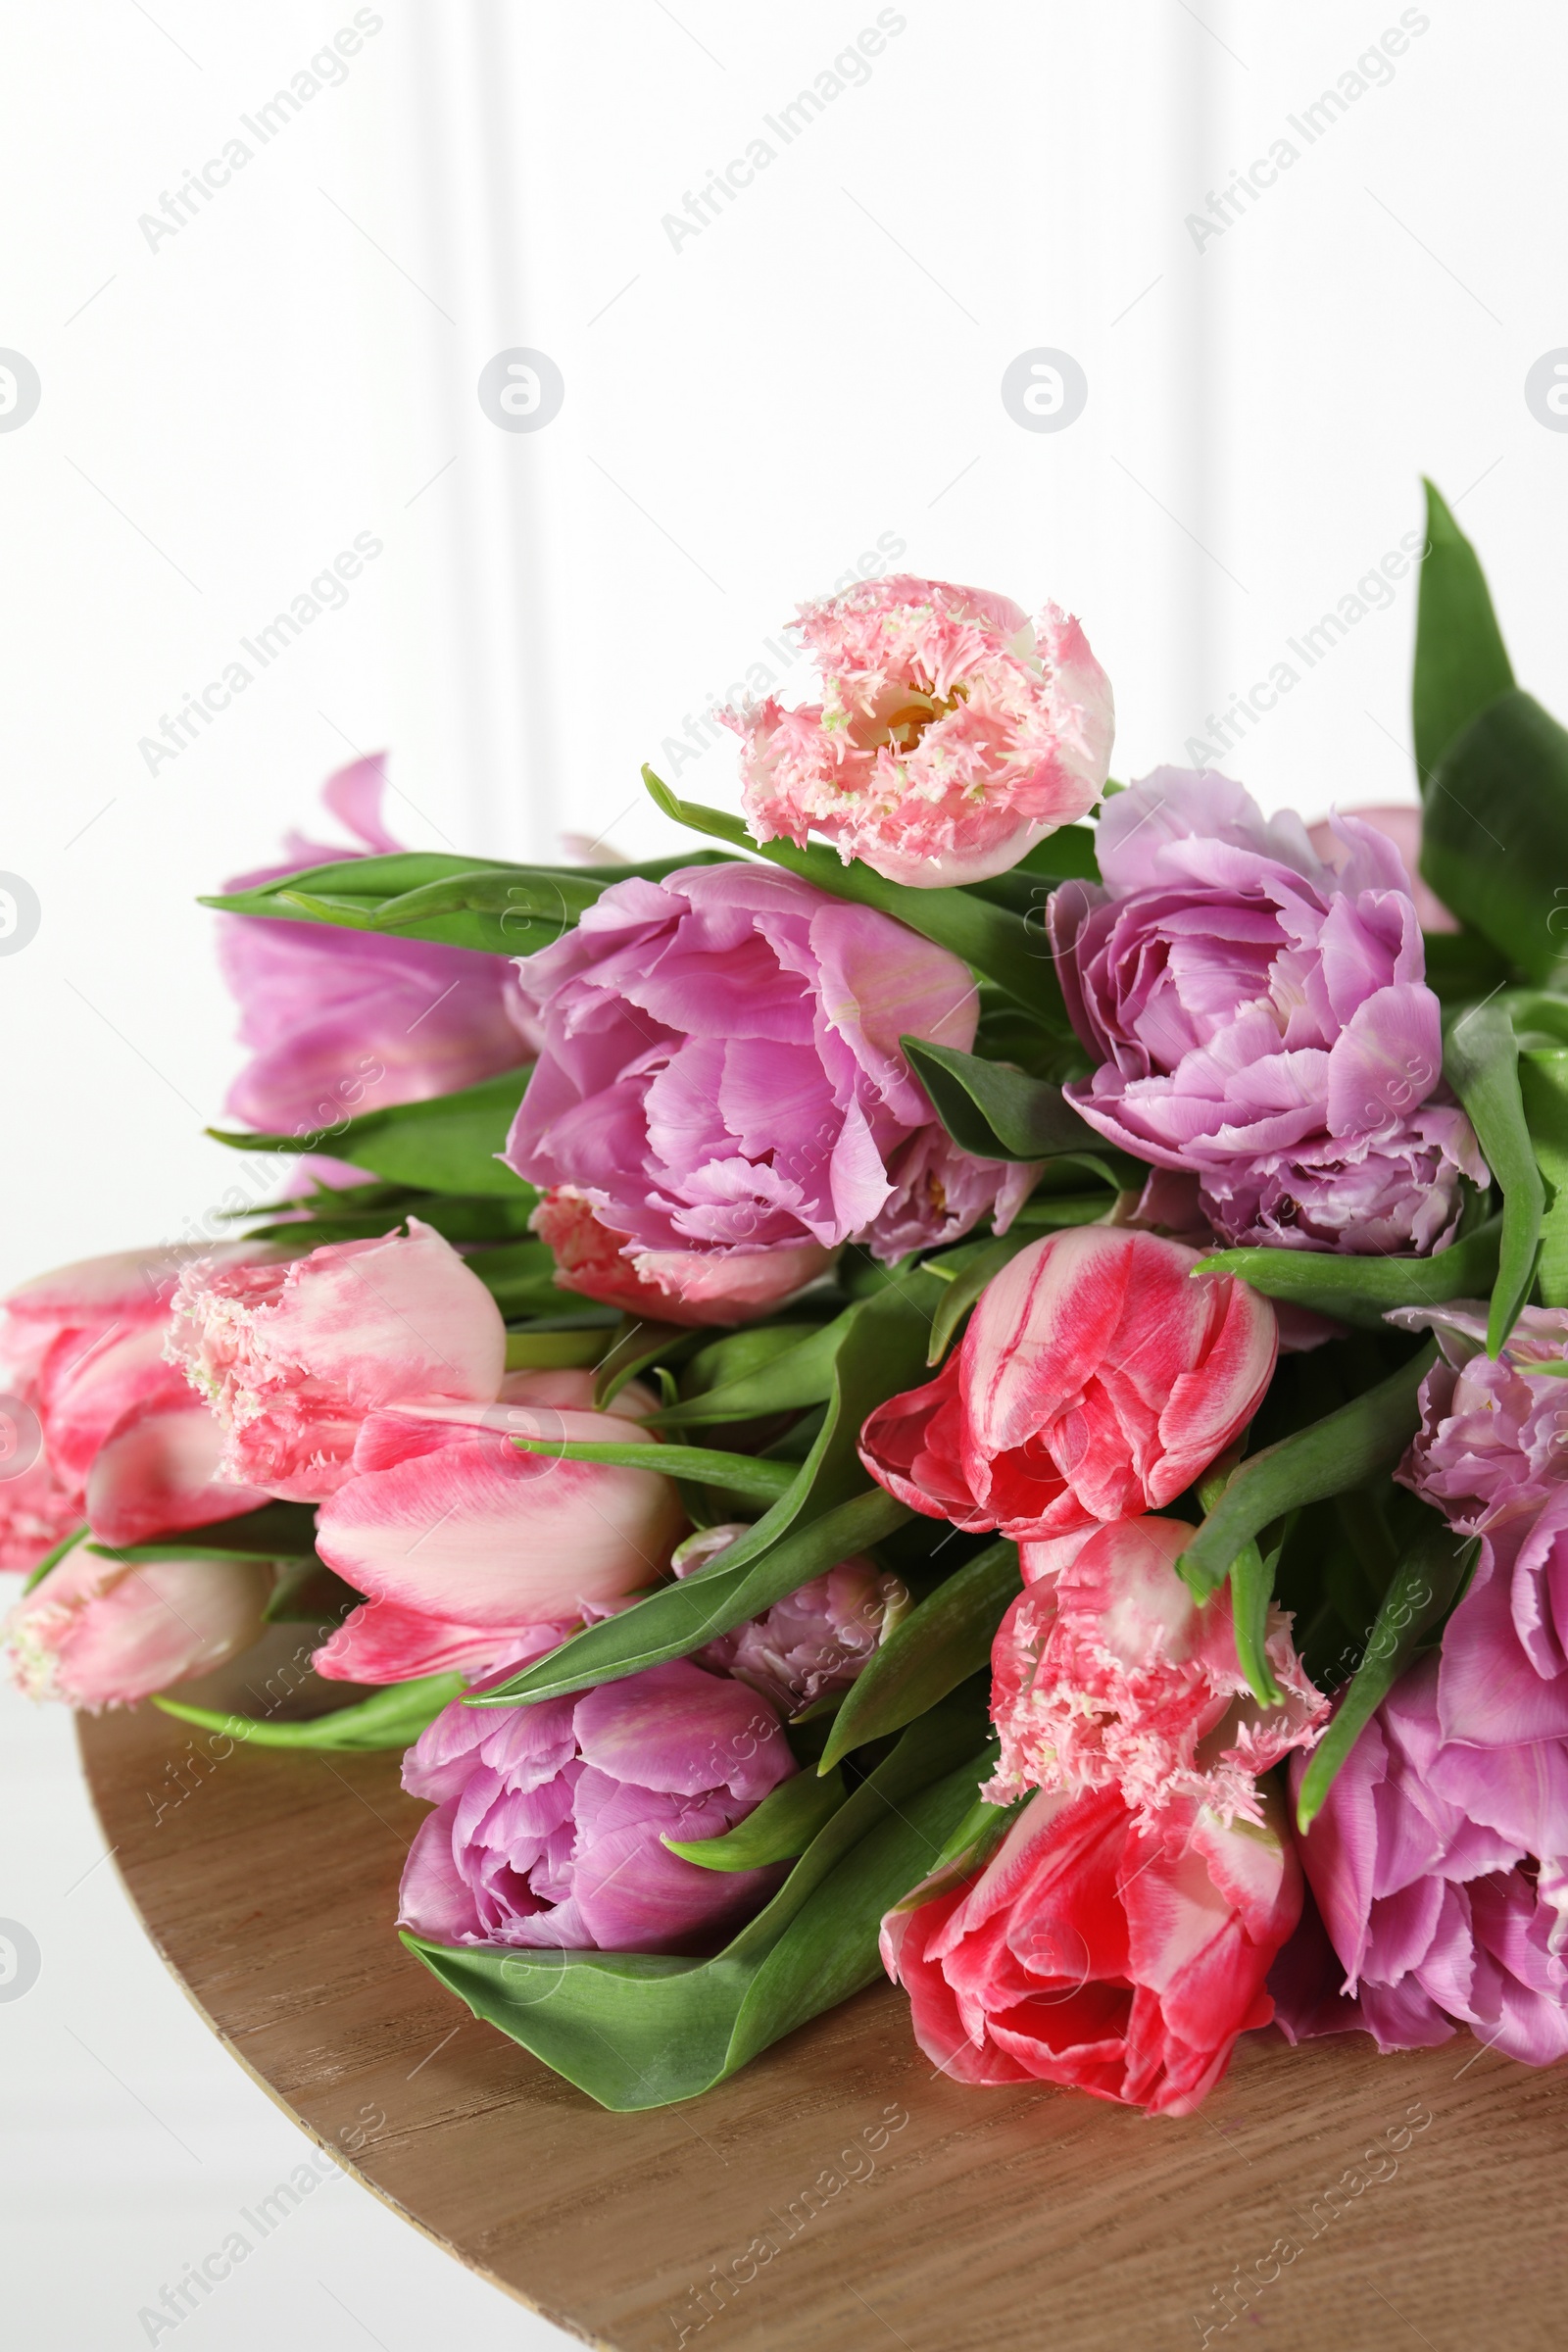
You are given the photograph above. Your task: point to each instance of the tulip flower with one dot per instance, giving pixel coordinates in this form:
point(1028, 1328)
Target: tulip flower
point(720, 1090)
point(467, 1546)
point(104, 1428)
point(1099, 1377)
point(1402, 826)
point(97, 1633)
point(1263, 1020)
point(552, 1819)
point(952, 733)
point(1440, 1877)
point(293, 1356)
point(339, 1021)
point(1096, 1953)
point(1492, 1455)
point(1109, 1674)
point(817, 1639)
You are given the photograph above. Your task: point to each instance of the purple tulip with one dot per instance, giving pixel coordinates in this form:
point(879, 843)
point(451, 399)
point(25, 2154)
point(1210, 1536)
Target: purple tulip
point(818, 1640)
point(552, 1818)
point(1263, 1020)
point(722, 1091)
point(1427, 1865)
point(347, 1021)
point(1492, 1455)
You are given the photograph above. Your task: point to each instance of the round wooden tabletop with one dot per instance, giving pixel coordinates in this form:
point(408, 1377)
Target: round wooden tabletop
point(838, 2192)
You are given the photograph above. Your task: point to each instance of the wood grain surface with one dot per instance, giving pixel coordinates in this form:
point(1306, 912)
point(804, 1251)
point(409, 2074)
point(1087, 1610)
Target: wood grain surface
point(836, 2193)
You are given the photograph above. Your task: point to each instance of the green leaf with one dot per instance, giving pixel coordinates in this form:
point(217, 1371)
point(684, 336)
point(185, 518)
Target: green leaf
point(1462, 967)
point(1480, 1063)
point(446, 1144)
point(745, 1474)
point(1328, 1457)
point(391, 1718)
point(503, 909)
point(277, 1531)
point(1363, 1290)
point(637, 1346)
point(1544, 1089)
point(1423, 1589)
point(991, 940)
point(308, 1592)
point(638, 2030)
point(556, 1350)
point(1051, 1212)
point(520, 1277)
point(1460, 663)
point(999, 1113)
point(799, 1374)
point(936, 1647)
point(1494, 833)
point(53, 1557)
point(782, 1826)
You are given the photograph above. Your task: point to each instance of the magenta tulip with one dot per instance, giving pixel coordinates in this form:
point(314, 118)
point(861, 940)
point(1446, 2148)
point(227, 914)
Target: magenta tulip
point(99, 1634)
point(552, 1819)
point(1092, 1952)
point(292, 1356)
point(1097, 1378)
point(467, 1546)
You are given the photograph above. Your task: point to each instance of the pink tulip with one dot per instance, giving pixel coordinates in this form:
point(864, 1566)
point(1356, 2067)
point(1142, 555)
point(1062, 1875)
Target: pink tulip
point(1441, 1883)
point(1402, 826)
point(722, 1101)
point(341, 1021)
point(1097, 1379)
point(293, 1356)
point(684, 1286)
point(1095, 1954)
point(818, 1639)
point(467, 1546)
point(952, 733)
point(553, 1818)
point(98, 1634)
point(111, 1427)
point(1110, 1675)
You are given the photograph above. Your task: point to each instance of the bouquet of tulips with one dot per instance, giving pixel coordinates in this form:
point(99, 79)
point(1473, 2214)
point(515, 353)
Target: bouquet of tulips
point(966, 1380)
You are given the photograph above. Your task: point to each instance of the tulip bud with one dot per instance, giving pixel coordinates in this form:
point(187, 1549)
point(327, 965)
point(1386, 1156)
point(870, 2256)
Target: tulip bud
point(97, 1633)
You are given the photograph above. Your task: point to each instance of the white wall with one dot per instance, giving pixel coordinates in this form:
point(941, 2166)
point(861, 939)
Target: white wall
point(747, 410)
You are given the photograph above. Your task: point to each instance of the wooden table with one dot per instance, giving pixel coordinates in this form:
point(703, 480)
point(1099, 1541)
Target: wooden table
point(836, 2193)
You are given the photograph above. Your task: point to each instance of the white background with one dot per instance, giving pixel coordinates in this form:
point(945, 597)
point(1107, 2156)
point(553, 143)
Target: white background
point(748, 412)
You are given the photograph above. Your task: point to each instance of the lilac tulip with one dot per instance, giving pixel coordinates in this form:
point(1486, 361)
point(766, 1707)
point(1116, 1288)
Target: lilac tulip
point(1491, 1453)
point(817, 1639)
point(340, 1023)
point(1431, 1868)
point(551, 1820)
point(1263, 1020)
point(720, 1091)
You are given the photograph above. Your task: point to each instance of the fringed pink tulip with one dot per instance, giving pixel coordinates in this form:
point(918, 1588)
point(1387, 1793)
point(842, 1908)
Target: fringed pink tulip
point(1099, 1377)
point(1111, 1675)
point(952, 733)
point(292, 1357)
point(465, 1544)
point(112, 1430)
point(99, 1634)
point(552, 1819)
point(1096, 1953)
